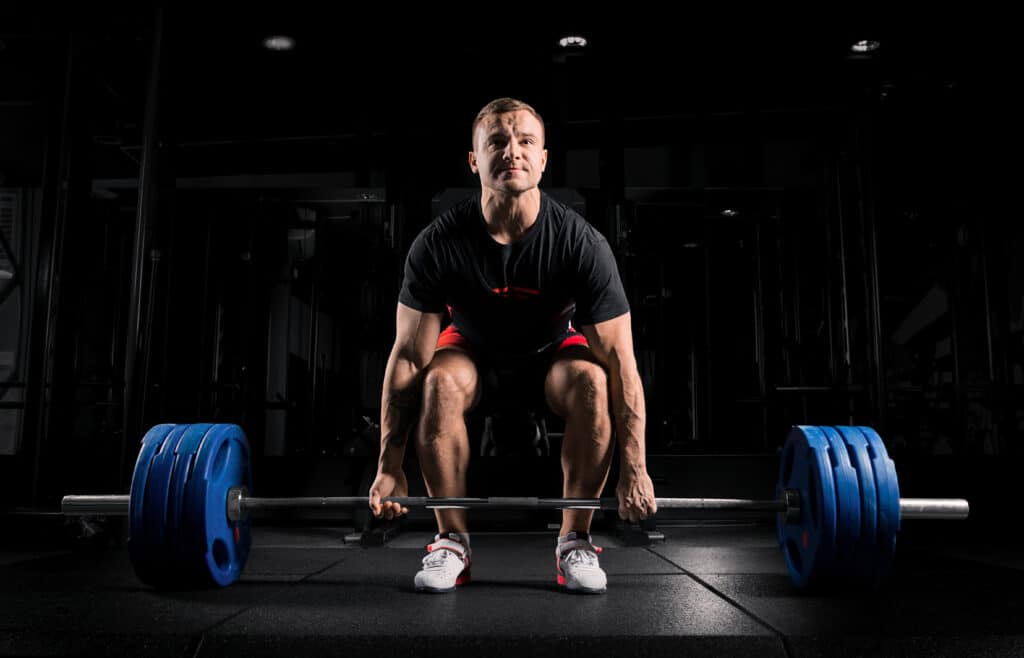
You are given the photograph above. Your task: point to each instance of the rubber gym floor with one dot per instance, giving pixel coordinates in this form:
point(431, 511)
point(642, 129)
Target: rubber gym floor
point(707, 589)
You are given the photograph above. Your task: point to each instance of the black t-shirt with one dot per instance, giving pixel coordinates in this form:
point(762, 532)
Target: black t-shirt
point(515, 299)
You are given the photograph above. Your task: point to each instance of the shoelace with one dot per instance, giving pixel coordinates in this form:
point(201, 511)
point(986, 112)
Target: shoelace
point(582, 557)
point(434, 561)
point(437, 559)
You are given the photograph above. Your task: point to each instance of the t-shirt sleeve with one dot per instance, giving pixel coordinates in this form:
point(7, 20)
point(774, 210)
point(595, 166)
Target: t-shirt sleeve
point(600, 295)
point(421, 285)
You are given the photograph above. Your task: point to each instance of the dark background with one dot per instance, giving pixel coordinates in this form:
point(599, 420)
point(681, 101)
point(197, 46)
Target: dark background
point(199, 229)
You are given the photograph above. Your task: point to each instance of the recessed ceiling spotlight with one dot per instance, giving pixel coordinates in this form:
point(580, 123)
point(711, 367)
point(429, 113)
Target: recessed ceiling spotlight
point(279, 42)
point(573, 41)
point(865, 46)
point(729, 212)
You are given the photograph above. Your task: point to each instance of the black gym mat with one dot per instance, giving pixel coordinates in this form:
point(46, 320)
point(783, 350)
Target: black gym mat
point(707, 590)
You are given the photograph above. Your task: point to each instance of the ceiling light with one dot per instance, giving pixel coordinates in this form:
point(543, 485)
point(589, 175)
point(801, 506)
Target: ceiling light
point(865, 46)
point(729, 212)
point(279, 42)
point(573, 41)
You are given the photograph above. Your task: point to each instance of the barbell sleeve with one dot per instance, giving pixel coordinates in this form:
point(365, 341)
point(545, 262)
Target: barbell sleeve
point(94, 505)
point(952, 509)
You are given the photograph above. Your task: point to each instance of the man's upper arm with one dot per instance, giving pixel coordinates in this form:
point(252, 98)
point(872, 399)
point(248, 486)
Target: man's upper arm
point(611, 341)
point(599, 292)
point(416, 334)
point(422, 284)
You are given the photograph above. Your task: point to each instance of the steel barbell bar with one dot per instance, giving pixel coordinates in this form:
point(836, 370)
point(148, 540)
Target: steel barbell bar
point(241, 506)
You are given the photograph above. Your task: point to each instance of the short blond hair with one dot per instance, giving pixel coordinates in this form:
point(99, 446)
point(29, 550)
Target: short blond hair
point(503, 106)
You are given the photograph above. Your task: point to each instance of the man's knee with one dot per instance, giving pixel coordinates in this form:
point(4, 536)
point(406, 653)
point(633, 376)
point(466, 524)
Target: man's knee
point(449, 383)
point(438, 383)
point(584, 389)
point(588, 384)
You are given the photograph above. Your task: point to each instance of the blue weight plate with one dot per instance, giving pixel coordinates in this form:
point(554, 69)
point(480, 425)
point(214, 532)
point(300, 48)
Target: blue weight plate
point(178, 543)
point(847, 500)
point(164, 571)
point(157, 488)
point(809, 545)
point(888, 502)
point(867, 549)
point(139, 551)
point(221, 463)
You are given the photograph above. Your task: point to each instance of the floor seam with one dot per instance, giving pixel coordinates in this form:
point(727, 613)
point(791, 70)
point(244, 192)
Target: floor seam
point(728, 599)
point(286, 586)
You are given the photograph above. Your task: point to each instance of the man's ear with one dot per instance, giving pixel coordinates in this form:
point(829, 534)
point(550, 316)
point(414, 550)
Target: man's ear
point(472, 162)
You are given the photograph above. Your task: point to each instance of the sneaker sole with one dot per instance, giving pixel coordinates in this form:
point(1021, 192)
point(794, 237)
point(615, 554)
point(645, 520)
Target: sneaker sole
point(562, 583)
point(463, 579)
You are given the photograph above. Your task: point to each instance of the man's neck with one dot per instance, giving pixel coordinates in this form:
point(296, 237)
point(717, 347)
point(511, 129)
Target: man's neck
point(509, 216)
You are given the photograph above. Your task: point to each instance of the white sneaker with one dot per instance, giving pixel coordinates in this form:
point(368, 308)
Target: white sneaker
point(446, 565)
point(577, 564)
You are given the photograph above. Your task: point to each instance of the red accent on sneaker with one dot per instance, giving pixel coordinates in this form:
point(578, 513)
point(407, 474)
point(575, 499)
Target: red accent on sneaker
point(463, 578)
point(430, 549)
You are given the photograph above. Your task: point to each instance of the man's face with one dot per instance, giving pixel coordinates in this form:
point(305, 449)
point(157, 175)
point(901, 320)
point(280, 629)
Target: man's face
point(508, 152)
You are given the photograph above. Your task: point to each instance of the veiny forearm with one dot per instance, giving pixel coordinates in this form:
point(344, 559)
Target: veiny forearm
point(400, 404)
point(629, 413)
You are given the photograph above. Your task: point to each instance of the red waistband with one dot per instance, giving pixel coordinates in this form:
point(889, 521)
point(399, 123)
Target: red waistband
point(451, 337)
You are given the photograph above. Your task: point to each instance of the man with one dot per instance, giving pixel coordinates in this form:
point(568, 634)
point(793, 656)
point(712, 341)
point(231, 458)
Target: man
point(512, 266)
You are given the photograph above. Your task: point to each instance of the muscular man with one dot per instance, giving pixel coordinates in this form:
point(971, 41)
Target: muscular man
point(512, 267)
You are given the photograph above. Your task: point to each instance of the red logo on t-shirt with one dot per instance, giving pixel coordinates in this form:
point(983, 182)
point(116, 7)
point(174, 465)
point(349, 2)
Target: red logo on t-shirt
point(515, 292)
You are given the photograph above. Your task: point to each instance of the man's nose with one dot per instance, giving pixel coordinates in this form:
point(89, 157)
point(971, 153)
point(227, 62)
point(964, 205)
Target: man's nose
point(512, 151)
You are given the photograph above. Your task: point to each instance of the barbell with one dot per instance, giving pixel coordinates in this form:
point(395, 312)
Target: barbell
point(837, 505)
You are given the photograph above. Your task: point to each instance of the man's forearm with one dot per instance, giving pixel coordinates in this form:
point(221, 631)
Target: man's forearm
point(630, 415)
point(400, 405)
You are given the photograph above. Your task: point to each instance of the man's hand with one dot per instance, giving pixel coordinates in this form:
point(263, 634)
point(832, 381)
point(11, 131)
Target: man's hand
point(636, 495)
point(388, 484)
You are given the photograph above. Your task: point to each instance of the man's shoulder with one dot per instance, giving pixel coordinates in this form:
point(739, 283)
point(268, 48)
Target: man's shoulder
point(570, 223)
point(447, 225)
point(456, 218)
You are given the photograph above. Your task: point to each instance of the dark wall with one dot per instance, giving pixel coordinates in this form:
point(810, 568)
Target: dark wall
point(806, 235)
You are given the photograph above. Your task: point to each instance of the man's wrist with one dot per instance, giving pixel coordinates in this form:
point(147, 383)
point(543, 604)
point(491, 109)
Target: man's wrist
point(391, 458)
point(633, 468)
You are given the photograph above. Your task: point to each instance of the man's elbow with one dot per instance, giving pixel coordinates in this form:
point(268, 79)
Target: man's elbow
point(407, 354)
